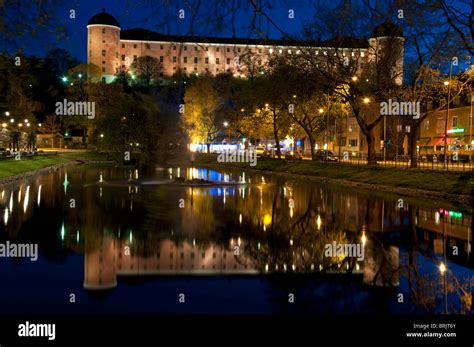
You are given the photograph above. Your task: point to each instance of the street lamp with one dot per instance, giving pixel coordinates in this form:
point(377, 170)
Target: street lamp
point(354, 78)
point(7, 113)
point(226, 124)
point(366, 100)
point(471, 143)
point(447, 83)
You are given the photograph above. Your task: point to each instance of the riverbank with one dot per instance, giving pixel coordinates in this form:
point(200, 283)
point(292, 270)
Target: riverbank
point(453, 186)
point(12, 170)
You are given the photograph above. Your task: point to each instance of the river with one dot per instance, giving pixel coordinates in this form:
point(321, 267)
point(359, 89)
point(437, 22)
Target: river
point(253, 244)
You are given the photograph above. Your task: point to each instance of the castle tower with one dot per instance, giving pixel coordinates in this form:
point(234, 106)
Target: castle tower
point(386, 48)
point(100, 264)
point(103, 44)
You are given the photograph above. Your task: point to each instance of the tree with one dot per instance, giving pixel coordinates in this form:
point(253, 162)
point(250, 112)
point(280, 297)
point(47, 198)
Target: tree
point(51, 126)
point(15, 137)
point(146, 69)
point(201, 103)
point(239, 109)
point(82, 83)
point(272, 91)
point(460, 17)
point(31, 140)
point(308, 105)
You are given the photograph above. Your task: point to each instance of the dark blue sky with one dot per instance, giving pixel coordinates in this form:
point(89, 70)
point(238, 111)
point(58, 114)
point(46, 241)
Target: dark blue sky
point(205, 18)
point(153, 16)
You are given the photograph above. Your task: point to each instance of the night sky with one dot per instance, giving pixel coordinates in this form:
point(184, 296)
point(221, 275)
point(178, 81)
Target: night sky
point(161, 16)
point(164, 19)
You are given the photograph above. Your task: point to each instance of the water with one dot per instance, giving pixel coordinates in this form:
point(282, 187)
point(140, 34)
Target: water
point(246, 246)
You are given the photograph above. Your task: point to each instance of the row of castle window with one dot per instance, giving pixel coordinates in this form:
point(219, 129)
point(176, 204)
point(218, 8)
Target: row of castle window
point(217, 59)
point(175, 59)
point(185, 48)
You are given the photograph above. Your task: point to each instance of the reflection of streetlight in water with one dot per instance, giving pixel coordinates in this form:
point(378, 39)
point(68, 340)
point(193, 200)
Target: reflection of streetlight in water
point(442, 270)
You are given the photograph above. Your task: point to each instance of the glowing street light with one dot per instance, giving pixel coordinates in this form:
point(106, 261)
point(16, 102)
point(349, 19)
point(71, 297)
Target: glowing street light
point(4, 125)
point(102, 136)
point(226, 124)
point(446, 83)
point(364, 239)
point(12, 120)
point(321, 110)
point(354, 78)
point(7, 113)
point(64, 79)
point(442, 268)
point(366, 100)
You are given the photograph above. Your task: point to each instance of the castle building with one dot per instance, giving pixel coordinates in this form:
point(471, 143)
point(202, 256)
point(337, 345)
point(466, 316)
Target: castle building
point(114, 49)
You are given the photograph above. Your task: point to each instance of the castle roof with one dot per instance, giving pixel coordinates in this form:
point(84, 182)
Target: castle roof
point(387, 28)
point(139, 34)
point(103, 18)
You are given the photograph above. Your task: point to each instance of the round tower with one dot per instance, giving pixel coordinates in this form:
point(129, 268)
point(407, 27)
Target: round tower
point(103, 40)
point(100, 271)
point(386, 48)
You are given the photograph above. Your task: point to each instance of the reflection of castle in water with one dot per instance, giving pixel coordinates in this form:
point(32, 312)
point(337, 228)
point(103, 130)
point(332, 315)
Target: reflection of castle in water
point(119, 258)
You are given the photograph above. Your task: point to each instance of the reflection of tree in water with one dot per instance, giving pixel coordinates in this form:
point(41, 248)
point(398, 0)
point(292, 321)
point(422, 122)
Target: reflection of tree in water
point(295, 244)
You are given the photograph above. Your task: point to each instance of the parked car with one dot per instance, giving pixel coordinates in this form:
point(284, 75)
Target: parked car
point(260, 149)
point(325, 155)
point(4, 152)
point(293, 155)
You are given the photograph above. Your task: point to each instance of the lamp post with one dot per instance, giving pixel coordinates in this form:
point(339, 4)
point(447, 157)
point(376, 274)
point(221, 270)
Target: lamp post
point(327, 128)
point(226, 125)
point(471, 145)
point(447, 115)
point(384, 139)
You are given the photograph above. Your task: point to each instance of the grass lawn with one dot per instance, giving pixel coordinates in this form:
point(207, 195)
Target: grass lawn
point(12, 167)
point(439, 181)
